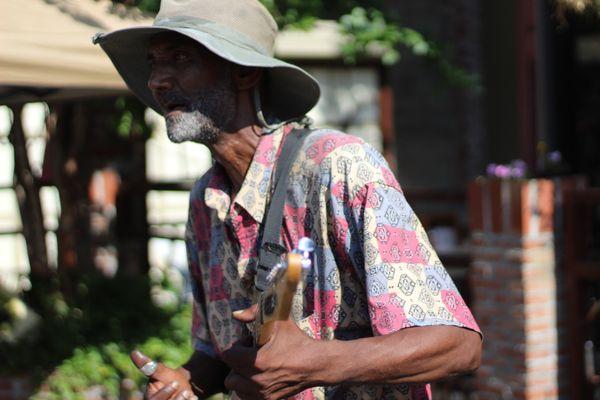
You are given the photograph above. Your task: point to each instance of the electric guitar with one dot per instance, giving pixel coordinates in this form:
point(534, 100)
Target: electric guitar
point(275, 302)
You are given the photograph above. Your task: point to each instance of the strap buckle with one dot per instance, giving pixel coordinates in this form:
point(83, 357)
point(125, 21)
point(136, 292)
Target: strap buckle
point(269, 256)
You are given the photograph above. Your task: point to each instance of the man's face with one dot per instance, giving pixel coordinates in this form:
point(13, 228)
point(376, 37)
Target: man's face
point(193, 87)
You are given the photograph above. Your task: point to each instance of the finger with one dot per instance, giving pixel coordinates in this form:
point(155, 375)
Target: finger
point(154, 387)
point(185, 395)
point(142, 361)
point(166, 392)
point(247, 315)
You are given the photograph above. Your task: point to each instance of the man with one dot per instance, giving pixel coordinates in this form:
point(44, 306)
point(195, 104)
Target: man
point(378, 316)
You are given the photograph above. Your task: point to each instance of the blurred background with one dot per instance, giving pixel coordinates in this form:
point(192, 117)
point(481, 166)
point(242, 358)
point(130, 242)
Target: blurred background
point(488, 112)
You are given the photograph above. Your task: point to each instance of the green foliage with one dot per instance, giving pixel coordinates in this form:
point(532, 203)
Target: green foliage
point(84, 340)
point(87, 367)
point(130, 121)
point(369, 32)
point(372, 33)
point(106, 366)
point(150, 6)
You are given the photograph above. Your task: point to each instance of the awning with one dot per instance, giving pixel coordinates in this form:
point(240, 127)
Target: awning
point(46, 49)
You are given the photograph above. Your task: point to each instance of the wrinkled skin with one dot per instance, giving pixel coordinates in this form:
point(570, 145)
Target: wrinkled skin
point(194, 89)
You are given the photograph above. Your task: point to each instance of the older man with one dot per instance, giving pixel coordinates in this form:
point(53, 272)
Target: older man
point(378, 316)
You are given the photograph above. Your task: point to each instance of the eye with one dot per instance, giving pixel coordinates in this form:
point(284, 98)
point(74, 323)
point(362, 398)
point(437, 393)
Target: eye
point(181, 56)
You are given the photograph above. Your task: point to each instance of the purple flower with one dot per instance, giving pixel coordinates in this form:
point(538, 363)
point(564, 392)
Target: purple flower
point(502, 171)
point(517, 173)
point(518, 168)
point(555, 157)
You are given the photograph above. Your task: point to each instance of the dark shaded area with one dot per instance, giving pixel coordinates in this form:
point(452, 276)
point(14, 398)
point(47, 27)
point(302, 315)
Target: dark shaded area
point(101, 310)
point(578, 96)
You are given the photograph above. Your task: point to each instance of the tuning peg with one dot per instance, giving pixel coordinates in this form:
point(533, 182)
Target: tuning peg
point(306, 244)
point(305, 247)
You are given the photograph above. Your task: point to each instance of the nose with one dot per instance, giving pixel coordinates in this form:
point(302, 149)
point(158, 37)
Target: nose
point(160, 79)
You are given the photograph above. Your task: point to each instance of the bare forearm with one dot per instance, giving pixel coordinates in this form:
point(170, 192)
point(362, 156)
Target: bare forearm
point(207, 374)
point(414, 355)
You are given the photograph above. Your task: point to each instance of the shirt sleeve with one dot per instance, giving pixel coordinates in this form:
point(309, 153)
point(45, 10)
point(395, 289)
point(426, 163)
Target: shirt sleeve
point(405, 281)
point(406, 285)
point(200, 333)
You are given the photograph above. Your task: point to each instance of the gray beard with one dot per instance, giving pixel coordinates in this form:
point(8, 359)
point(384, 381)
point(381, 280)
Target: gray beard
point(208, 113)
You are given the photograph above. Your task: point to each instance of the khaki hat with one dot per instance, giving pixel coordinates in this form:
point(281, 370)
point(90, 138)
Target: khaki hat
point(240, 31)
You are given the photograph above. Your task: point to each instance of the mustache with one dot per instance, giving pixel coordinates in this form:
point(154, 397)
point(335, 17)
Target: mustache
point(174, 97)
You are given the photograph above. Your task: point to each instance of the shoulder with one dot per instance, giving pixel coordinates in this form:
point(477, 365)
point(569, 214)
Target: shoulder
point(324, 143)
point(341, 156)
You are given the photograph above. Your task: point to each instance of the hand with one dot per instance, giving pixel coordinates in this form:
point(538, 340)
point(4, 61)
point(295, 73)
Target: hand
point(165, 383)
point(287, 364)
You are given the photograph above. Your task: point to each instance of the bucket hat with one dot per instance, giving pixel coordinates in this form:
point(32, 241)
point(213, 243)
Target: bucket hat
point(240, 31)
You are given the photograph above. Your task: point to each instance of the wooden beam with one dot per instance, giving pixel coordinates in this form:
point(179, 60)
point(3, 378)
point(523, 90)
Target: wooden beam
point(28, 198)
point(526, 89)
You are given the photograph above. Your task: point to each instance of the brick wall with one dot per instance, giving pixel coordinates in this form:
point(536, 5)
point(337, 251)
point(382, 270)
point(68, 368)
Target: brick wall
point(514, 286)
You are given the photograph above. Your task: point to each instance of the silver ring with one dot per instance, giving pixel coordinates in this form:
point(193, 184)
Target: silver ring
point(149, 368)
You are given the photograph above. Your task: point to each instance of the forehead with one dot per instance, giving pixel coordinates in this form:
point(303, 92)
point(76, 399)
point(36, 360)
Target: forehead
point(169, 41)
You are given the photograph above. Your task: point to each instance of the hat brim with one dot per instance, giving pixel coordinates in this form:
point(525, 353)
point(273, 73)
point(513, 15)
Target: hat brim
point(293, 91)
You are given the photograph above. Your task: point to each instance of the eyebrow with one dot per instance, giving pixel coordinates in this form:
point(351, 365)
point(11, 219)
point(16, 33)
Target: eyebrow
point(166, 48)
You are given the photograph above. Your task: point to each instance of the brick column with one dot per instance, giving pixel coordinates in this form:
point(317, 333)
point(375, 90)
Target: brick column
point(514, 287)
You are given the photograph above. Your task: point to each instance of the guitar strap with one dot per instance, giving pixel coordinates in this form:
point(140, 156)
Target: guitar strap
point(270, 250)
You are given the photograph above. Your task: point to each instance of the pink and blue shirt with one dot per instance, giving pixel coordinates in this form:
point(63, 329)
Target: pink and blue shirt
point(375, 271)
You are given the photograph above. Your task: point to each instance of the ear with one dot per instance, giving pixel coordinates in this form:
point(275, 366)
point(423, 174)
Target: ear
point(245, 78)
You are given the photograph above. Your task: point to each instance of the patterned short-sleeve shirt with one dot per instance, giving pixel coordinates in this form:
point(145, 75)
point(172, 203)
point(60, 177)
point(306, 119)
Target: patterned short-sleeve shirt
point(375, 271)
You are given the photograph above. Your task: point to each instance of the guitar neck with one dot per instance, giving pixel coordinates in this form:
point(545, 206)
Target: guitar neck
point(275, 303)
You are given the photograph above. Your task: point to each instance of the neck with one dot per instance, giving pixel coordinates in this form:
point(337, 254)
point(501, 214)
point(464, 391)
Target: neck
point(236, 146)
point(235, 151)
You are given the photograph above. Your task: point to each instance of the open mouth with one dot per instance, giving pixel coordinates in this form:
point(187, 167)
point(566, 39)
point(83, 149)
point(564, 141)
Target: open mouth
point(173, 107)
point(171, 102)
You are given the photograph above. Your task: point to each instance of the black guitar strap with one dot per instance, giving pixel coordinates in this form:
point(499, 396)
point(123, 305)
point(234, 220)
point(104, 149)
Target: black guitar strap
point(270, 248)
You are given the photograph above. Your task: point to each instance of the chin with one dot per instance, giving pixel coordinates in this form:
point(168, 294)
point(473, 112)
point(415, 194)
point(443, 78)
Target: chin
point(175, 138)
point(191, 127)
point(205, 136)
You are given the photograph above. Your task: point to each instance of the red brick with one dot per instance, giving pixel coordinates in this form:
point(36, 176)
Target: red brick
point(496, 209)
point(546, 204)
point(542, 394)
point(525, 210)
point(539, 285)
point(540, 326)
point(516, 204)
point(514, 289)
point(531, 243)
point(538, 298)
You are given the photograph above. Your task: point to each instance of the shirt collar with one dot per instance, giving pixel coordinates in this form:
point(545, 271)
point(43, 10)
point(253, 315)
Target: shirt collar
point(217, 194)
point(254, 193)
